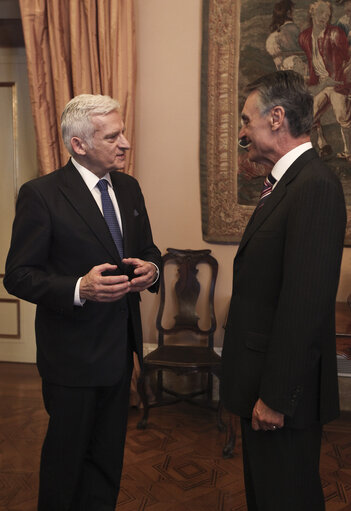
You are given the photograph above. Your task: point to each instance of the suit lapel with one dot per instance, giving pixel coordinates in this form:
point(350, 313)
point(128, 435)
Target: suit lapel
point(79, 196)
point(260, 216)
point(276, 196)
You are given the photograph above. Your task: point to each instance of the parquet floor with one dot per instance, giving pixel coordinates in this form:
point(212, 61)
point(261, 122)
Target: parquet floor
point(175, 464)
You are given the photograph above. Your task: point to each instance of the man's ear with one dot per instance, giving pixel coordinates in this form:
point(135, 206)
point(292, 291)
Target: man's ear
point(78, 146)
point(277, 117)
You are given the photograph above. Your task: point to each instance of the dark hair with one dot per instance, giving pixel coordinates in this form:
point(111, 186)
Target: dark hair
point(286, 89)
point(281, 13)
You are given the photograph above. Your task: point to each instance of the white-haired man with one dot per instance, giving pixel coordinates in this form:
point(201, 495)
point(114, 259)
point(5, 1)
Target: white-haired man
point(82, 250)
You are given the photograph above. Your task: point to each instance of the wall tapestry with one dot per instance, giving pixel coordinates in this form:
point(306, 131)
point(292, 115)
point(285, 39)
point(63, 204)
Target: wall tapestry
point(241, 41)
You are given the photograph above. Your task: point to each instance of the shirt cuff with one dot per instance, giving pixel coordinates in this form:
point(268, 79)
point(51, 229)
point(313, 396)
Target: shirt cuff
point(77, 301)
point(157, 273)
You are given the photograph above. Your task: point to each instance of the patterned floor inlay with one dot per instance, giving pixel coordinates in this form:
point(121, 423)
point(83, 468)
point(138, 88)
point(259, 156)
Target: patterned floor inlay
point(175, 464)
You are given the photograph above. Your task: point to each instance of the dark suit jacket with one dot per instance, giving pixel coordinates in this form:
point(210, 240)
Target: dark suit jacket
point(59, 234)
point(279, 342)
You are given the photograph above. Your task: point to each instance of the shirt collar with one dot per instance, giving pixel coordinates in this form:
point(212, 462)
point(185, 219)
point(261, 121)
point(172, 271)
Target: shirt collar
point(288, 159)
point(88, 176)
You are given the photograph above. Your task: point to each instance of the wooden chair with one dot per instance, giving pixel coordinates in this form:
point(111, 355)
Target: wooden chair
point(343, 328)
point(184, 348)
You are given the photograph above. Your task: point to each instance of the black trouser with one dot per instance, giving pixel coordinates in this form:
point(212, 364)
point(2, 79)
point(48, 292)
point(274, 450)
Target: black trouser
point(82, 454)
point(281, 469)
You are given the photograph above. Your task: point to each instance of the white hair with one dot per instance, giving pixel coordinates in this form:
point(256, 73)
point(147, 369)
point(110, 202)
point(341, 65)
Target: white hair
point(76, 117)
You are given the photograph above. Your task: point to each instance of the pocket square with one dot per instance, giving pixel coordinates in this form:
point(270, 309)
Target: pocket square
point(136, 213)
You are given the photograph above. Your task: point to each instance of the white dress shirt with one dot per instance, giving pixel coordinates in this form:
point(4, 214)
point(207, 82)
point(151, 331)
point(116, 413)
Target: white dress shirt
point(91, 181)
point(288, 159)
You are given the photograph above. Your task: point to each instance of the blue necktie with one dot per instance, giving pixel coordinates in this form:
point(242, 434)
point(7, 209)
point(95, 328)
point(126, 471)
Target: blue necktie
point(110, 216)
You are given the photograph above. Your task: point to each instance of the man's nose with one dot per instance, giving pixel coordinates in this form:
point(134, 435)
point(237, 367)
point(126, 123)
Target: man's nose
point(123, 142)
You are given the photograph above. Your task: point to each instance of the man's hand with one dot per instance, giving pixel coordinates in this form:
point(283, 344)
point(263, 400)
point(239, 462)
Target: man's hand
point(145, 274)
point(99, 288)
point(265, 418)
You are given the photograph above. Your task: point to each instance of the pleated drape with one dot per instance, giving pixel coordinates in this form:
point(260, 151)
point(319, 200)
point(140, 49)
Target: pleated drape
point(75, 47)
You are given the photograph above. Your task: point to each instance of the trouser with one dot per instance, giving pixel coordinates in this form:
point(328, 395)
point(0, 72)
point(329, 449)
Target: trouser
point(281, 468)
point(82, 454)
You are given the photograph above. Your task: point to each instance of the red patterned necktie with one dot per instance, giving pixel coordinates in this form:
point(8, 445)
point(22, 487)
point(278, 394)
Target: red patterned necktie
point(266, 190)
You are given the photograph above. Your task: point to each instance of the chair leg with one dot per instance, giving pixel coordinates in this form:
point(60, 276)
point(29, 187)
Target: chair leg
point(159, 386)
point(144, 399)
point(209, 386)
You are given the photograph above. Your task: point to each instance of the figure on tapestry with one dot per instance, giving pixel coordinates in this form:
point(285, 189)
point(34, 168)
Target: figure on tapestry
point(312, 38)
point(283, 41)
point(327, 50)
point(344, 21)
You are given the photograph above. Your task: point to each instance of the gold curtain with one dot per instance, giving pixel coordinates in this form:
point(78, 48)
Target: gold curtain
point(75, 47)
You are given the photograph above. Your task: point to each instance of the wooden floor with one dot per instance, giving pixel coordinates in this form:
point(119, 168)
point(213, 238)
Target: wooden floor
point(175, 464)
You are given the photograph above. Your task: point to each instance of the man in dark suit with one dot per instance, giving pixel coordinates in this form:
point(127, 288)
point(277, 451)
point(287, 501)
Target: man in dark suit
point(82, 250)
point(279, 360)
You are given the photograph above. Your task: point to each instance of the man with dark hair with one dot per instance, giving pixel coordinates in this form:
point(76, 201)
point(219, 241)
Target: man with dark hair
point(82, 250)
point(279, 360)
